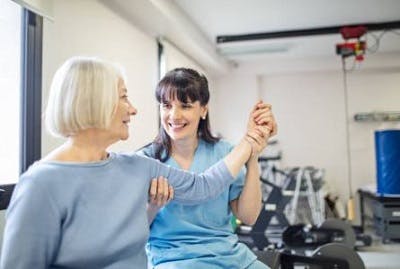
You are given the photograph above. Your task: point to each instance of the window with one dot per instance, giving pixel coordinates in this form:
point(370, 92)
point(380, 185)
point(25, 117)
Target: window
point(161, 61)
point(20, 93)
point(10, 90)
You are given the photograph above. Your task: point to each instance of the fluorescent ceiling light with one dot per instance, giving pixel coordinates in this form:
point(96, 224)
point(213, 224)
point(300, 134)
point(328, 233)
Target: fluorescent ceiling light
point(253, 49)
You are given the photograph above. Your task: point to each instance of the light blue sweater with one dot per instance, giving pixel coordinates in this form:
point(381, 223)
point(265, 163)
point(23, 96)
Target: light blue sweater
point(93, 215)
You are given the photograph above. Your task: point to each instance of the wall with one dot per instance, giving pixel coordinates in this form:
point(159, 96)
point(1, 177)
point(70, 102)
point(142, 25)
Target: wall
point(233, 98)
point(309, 108)
point(89, 28)
point(310, 111)
point(175, 58)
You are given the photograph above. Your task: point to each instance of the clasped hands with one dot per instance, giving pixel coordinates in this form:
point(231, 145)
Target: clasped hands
point(260, 127)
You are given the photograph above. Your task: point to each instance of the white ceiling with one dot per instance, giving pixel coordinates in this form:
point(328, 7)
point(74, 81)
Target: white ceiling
point(235, 17)
point(218, 17)
point(193, 25)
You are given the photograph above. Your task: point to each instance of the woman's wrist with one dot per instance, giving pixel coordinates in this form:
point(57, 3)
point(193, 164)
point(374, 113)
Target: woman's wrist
point(238, 157)
point(246, 140)
point(253, 160)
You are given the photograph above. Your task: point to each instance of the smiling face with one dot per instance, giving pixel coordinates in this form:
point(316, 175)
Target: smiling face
point(181, 119)
point(119, 128)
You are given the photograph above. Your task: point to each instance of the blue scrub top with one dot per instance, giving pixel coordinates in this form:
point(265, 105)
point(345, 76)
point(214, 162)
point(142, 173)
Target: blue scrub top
point(199, 236)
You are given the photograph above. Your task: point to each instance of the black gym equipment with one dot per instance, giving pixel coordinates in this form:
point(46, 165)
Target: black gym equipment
point(329, 256)
point(273, 207)
point(330, 231)
point(332, 243)
point(273, 224)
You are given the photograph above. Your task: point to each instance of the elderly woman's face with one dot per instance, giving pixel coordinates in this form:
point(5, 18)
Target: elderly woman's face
point(119, 125)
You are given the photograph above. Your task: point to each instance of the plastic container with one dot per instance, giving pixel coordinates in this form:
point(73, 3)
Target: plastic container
point(387, 151)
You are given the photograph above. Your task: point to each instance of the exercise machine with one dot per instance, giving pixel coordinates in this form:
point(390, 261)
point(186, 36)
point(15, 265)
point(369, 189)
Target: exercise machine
point(282, 190)
point(305, 237)
point(329, 256)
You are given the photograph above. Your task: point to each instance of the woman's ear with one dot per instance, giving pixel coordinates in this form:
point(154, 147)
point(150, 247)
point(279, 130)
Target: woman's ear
point(204, 111)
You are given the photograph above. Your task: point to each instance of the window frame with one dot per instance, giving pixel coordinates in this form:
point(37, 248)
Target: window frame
point(160, 69)
point(31, 97)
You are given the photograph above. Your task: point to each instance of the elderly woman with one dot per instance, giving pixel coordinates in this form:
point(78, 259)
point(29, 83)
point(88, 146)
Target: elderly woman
point(84, 207)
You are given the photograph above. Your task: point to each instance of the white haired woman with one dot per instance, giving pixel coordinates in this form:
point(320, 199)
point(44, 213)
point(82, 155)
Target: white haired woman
point(84, 207)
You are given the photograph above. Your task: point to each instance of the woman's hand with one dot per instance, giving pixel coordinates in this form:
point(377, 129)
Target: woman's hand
point(262, 115)
point(261, 127)
point(160, 193)
point(258, 139)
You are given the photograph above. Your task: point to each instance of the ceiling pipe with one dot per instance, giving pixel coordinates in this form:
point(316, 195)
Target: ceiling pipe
point(305, 32)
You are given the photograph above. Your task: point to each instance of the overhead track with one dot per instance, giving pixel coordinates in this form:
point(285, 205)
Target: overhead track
point(306, 32)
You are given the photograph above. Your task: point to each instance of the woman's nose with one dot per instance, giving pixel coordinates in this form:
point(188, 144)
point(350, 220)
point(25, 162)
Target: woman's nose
point(132, 110)
point(175, 113)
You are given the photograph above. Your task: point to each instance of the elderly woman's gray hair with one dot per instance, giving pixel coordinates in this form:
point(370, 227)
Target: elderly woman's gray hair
point(83, 94)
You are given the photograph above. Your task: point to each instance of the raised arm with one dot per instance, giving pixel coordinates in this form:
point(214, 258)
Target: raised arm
point(248, 205)
point(192, 189)
point(239, 155)
point(161, 192)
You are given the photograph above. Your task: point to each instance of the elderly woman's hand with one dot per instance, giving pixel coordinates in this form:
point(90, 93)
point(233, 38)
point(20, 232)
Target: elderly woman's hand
point(261, 127)
point(262, 115)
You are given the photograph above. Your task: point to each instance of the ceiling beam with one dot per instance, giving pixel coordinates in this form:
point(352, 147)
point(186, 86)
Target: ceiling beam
point(306, 32)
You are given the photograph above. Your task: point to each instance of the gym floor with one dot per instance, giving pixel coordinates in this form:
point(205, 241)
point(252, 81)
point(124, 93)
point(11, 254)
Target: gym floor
point(381, 256)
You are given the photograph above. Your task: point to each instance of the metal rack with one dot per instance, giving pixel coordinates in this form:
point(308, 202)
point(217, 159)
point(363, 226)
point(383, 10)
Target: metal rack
point(385, 214)
point(378, 116)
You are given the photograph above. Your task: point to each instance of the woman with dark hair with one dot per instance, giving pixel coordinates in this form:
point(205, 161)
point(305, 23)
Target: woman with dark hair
point(200, 236)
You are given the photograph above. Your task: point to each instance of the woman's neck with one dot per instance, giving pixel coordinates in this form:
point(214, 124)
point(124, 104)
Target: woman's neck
point(183, 151)
point(86, 146)
point(184, 148)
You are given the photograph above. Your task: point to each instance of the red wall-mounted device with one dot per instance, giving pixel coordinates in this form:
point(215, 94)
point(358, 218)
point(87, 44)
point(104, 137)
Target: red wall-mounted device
point(352, 48)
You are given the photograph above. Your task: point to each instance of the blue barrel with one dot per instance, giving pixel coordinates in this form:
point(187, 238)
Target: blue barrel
point(387, 149)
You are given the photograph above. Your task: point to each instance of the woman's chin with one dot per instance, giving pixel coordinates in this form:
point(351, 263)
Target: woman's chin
point(124, 137)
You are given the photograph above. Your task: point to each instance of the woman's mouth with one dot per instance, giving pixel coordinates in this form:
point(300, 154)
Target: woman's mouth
point(176, 127)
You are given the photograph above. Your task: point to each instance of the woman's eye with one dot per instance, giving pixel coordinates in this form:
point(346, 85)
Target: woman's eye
point(165, 105)
point(186, 105)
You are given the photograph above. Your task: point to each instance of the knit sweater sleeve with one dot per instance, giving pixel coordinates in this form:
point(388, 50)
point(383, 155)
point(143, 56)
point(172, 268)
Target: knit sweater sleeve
point(191, 188)
point(32, 231)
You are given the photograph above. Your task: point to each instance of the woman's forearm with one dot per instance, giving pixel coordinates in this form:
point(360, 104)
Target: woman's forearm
point(249, 202)
point(239, 155)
